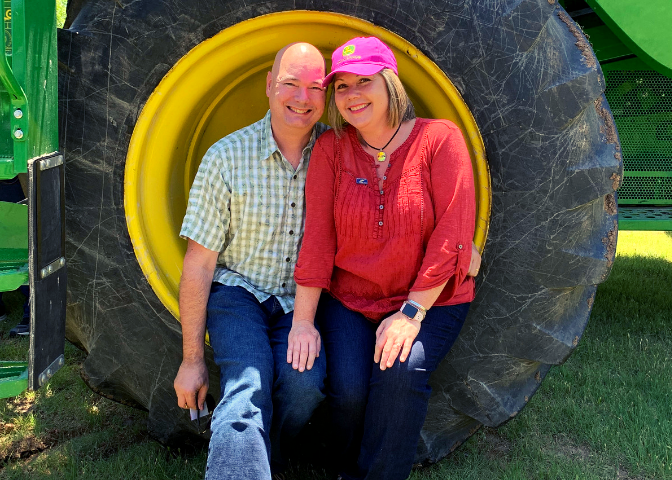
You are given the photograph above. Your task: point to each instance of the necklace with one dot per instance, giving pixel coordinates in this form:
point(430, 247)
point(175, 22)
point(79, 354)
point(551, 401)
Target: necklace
point(381, 154)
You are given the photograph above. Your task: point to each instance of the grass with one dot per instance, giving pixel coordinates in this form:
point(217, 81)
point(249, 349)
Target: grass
point(605, 414)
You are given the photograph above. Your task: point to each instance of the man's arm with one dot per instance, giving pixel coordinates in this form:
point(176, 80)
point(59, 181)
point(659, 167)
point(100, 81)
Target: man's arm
point(191, 383)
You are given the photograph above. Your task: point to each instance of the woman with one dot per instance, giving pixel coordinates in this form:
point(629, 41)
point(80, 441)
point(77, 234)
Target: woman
point(390, 218)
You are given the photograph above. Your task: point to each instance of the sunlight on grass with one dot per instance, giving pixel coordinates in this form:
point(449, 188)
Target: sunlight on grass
point(646, 244)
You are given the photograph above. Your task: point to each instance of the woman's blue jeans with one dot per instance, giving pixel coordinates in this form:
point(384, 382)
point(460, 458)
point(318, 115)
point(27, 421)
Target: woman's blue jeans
point(264, 402)
point(377, 415)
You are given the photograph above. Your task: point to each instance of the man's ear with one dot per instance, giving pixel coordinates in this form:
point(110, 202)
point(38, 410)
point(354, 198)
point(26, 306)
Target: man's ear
point(269, 81)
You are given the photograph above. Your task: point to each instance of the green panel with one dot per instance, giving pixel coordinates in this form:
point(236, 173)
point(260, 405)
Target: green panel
point(33, 61)
point(634, 218)
point(13, 378)
point(13, 246)
point(643, 26)
point(641, 102)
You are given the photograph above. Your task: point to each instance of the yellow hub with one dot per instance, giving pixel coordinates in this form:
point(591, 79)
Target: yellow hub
point(219, 87)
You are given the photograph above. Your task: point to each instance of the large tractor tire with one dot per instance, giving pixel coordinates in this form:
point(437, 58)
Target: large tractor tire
point(524, 70)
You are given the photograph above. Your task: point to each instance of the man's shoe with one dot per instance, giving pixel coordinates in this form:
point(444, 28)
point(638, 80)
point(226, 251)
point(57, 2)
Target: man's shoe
point(21, 330)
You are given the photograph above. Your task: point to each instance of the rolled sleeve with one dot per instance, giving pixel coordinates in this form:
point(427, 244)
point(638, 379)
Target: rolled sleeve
point(448, 251)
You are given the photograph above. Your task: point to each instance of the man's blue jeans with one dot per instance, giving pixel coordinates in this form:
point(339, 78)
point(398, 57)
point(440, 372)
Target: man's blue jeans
point(264, 402)
point(377, 415)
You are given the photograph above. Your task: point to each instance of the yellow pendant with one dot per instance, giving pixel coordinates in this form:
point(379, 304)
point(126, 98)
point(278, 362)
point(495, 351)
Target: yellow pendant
point(381, 156)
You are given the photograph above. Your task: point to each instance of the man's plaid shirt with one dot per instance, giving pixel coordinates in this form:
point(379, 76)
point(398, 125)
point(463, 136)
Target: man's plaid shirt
point(247, 202)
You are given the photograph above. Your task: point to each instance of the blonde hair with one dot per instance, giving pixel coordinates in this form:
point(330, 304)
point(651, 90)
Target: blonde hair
point(399, 108)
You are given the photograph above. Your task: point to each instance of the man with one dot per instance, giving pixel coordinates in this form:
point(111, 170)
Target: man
point(244, 224)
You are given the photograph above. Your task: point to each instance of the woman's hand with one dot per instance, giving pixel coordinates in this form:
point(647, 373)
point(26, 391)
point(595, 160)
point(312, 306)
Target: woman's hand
point(475, 263)
point(303, 345)
point(395, 334)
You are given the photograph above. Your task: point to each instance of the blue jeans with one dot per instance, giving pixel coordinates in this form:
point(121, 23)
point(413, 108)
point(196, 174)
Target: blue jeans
point(264, 402)
point(377, 415)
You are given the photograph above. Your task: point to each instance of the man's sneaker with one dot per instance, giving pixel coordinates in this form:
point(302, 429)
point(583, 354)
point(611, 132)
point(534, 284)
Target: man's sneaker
point(21, 330)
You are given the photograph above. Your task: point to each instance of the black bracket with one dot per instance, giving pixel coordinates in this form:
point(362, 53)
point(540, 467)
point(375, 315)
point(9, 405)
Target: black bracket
point(47, 272)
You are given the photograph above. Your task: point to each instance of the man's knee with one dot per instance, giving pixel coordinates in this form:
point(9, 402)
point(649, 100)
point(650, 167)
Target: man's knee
point(307, 387)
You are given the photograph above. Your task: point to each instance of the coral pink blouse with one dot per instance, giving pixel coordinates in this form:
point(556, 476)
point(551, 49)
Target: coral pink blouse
point(370, 246)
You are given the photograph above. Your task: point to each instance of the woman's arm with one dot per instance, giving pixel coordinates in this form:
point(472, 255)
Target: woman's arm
point(449, 248)
point(304, 343)
point(316, 258)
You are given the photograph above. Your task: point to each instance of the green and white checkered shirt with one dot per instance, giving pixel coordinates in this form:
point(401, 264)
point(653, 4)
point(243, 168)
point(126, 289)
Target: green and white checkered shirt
point(247, 202)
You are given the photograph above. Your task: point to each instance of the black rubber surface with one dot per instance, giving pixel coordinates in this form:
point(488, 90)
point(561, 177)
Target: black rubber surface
point(536, 91)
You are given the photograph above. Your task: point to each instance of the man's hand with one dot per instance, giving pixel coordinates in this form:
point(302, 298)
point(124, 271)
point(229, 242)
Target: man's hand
point(191, 384)
point(475, 263)
point(303, 345)
point(395, 334)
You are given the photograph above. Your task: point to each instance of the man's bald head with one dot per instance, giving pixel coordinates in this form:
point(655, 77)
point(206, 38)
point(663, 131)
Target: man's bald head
point(294, 88)
point(298, 51)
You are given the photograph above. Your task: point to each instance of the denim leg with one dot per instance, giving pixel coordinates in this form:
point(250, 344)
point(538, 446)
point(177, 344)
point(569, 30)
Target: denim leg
point(348, 339)
point(296, 394)
point(240, 443)
point(398, 398)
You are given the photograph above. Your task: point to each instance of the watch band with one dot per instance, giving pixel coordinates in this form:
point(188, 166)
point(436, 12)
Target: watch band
point(412, 311)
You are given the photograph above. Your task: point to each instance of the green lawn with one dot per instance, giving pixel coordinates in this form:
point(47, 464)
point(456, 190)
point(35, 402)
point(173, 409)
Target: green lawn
point(605, 414)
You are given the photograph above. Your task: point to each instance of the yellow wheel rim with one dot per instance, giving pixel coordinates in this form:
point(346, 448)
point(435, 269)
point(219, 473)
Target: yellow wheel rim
point(219, 87)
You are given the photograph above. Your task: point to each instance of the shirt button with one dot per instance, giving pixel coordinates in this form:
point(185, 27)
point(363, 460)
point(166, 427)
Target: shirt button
point(384, 177)
point(291, 232)
point(381, 207)
point(284, 284)
point(380, 224)
point(460, 247)
point(381, 192)
point(294, 177)
point(293, 204)
point(288, 259)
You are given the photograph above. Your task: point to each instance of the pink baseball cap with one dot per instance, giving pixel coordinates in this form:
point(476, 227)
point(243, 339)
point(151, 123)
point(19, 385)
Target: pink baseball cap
point(361, 56)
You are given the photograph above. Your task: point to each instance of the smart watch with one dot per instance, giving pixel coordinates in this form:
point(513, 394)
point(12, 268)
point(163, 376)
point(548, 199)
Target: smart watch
point(413, 310)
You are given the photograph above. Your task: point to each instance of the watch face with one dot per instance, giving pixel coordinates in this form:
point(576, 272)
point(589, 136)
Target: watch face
point(409, 310)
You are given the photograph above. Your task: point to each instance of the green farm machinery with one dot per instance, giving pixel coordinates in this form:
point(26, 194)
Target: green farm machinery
point(108, 118)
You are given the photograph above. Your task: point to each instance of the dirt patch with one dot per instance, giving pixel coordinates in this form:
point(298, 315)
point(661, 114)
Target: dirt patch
point(562, 447)
point(581, 41)
point(610, 204)
point(21, 404)
point(25, 448)
point(591, 300)
point(616, 181)
point(609, 127)
point(496, 445)
point(610, 242)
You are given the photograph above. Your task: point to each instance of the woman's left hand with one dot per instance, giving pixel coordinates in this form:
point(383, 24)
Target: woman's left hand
point(395, 334)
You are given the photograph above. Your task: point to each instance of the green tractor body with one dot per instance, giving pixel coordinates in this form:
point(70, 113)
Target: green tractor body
point(632, 43)
point(30, 244)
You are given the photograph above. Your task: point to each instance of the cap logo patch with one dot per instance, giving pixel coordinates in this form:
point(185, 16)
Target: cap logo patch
point(348, 50)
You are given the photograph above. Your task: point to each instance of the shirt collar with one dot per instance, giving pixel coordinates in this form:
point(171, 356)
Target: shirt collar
point(268, 144)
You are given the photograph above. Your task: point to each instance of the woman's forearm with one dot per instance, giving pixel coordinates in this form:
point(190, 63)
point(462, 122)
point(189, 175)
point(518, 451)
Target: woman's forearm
point(426, 298)
point(305, 302)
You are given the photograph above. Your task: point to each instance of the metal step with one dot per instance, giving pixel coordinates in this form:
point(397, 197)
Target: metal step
point(645, 218)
